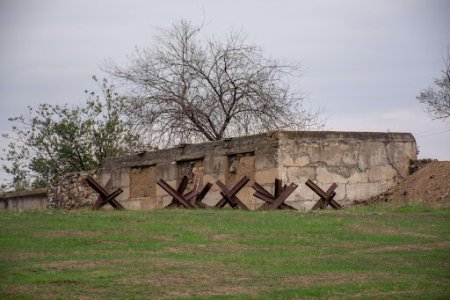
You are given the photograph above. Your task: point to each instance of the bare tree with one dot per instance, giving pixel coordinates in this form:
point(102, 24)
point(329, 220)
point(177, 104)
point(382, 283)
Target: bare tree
point(437, 98)
point(185, 90)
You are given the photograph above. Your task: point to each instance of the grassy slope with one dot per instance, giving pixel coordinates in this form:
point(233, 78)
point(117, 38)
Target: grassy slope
point(362, 252)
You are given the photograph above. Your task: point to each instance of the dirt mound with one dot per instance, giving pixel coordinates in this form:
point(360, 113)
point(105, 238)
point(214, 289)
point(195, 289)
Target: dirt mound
point(430, 184)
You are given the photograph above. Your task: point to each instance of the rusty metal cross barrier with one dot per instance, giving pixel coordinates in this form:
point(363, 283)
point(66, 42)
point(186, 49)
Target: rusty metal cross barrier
point(180, 191)
point(104, 197)
point(229, 195)
point(191, 199)
point(326, 198)
point(275, 201)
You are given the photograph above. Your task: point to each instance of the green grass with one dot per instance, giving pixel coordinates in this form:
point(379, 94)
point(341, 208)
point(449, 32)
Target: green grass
point(365, 252)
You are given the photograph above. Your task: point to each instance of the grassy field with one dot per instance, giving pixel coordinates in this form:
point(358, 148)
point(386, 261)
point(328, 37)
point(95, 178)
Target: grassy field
point(375, 252)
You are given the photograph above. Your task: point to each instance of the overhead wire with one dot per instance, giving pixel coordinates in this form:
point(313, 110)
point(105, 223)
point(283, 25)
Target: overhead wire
point(431, 130)
point(434, 133)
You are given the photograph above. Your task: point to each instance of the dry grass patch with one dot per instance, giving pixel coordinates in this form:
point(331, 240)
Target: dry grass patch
point(23, 255)
point(376, 228)
point(427, 246)
point(83, 234)
point(87, 263)
point(336, 278)
point(186, 278)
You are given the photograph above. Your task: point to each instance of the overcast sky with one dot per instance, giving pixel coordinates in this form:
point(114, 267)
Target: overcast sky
point(363, 62)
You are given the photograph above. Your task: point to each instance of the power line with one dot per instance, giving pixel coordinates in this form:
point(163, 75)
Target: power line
point(430, 130)
point(435, 133)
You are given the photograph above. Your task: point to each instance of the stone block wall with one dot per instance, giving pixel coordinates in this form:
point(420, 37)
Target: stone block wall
point(73, 192)
point(362, 164)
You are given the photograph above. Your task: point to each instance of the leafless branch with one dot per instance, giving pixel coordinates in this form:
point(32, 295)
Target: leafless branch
point(437, 98)
point(183, 90)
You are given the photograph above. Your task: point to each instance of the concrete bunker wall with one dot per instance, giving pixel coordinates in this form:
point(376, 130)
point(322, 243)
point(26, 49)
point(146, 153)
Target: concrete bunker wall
point(24, 200)
point(227, 160)
point(362, 164)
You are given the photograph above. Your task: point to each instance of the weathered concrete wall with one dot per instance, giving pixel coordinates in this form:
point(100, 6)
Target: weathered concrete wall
point(227, 160)
point(362, 164)
point(18, 201)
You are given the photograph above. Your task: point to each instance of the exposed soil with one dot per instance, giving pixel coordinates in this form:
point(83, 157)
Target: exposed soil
point(430, 184)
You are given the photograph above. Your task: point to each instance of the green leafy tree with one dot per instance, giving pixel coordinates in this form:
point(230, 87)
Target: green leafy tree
point(52, 140)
